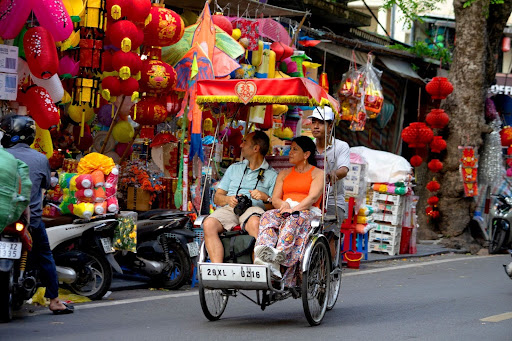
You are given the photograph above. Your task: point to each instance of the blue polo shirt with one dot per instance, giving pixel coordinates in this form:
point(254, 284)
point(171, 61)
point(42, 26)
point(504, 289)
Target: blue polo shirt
point(239, 174)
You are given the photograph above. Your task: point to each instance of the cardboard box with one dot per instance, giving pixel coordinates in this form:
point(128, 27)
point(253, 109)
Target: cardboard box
point(8, 59)
point(138, 199)
point(8, 86)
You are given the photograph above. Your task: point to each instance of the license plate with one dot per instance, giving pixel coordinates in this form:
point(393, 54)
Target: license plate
point(234, 273)
point(107, 245)
point(193, 249)
point(10, 250)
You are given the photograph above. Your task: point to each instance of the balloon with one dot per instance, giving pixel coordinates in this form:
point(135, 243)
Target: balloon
point(105, 114)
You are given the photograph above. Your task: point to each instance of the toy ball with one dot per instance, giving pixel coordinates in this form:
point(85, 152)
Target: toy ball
point(223, 23)
point(236, 34)
point(123, 132)
point(79, 112)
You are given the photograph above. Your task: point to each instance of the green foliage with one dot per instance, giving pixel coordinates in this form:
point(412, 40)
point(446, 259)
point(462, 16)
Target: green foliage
point(412, 9)
point(421, 49)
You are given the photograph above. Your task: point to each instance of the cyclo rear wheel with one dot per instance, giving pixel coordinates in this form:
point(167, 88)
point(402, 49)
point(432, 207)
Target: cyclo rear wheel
point(316, 284)
point(334, 290)
point(213, 302)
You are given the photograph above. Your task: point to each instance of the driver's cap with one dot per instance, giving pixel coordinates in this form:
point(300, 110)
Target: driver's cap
point(323, 114)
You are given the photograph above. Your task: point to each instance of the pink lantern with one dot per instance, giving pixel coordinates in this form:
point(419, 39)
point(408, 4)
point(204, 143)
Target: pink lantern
point(40, 52)
point(54, 17)
point(68, 67)
point(13, 15)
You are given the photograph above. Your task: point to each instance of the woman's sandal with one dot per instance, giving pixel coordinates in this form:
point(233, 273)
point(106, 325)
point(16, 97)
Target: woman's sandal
point(69, 310)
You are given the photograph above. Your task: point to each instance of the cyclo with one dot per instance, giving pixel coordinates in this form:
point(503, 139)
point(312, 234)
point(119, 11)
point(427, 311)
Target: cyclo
point(319, 281)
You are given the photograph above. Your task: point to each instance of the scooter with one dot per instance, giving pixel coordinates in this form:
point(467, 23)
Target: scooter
point(500, 222)
point(82, 250)
point(165, 248)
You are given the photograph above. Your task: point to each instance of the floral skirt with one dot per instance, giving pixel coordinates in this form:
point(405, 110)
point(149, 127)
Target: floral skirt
point(287, 234)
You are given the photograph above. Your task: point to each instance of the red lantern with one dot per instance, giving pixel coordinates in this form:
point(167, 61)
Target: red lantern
point(437, 145)
point(116, 8)
point(506, 136)
point(433, 200)
point(428, 210)
point(439, 88)
point(434, 214)
point(437, 119)
point(126, 63)
point(90, 53)
point(129, 86)
point(106, 61)
point(173, 103)
point(433, 186)
point(223, 23)
point(282, 51)
point(435, 165)
point(40, 52)
point(416, 161)
point(41, 107)
point(111, 87)
point(417, 135)
point(165, 28)
point(123, 34)
point(138, 10)
point(150, 111)
point(157, 77)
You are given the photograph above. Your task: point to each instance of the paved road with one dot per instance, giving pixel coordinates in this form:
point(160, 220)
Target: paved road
point(433, 298)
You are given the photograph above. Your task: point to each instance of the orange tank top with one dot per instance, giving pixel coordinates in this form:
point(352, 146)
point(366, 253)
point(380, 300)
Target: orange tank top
point(296, 186)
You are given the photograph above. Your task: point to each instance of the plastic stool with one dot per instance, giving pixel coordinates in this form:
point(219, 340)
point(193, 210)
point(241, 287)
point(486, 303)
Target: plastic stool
point(362, 244)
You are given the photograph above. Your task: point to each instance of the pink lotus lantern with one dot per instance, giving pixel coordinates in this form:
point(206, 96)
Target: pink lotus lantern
point(68, 67)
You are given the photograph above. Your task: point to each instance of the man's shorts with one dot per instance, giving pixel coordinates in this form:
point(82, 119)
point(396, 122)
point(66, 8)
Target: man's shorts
point(228, 219)
point(331, 211)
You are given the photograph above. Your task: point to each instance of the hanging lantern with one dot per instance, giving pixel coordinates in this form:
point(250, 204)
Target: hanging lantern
point(433, 186)
point(13, 16)
point(165, 28)
point(127, 64)
point(52, 15)
point(157, 77)
point(123, 34)
point(90, 49)
point(437, 145)
point(431, 212)
point(116, 9)
point(40, 52)
point(123, 132)
point(138, 11)
point(437, 119)
point(435, 165)
point(417, 135)
point(86, 90)
point(41, 107)
point(439, 88)
point(68, 68)
point(416, 161)
point(53, 85)
point(282, 51)
point(223, 23)
point(324, 81)
point(173, 103)
point(433, 200)
point(506, 136)
point(80, 113)
point(106, 61)
point(93, 15)
point(150, 111)
point(129, 86)
point(111, 87)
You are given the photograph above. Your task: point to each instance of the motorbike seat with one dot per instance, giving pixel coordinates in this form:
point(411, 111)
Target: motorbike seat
point(164, 213)
point(56, 221)
point(143, 230)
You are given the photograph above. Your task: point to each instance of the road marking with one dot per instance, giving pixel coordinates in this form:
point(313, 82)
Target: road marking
point(498, 318)
point(414, 265)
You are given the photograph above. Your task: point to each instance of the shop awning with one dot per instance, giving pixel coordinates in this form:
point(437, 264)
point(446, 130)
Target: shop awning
point(248, 8)
point(400, 67)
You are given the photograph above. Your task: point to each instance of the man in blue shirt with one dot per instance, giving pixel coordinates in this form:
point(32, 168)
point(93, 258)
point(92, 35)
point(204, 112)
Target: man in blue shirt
point(252, 177)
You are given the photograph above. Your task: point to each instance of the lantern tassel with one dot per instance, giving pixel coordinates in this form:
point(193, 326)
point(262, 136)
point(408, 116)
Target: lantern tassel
point(135, 112)
point(82, 125)
point(112, 110)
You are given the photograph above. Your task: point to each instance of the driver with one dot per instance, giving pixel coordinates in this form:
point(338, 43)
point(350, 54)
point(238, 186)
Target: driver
point(19, 133)
point(253, 178)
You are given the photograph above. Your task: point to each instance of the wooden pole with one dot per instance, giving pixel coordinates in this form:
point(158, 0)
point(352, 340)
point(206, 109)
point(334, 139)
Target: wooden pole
point(295, 35)
point(111, 126)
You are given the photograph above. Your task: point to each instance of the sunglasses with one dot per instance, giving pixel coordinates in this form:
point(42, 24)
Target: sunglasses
point(294, 214)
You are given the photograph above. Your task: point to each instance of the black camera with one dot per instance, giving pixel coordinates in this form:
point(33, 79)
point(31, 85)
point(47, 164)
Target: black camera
point(244, 202)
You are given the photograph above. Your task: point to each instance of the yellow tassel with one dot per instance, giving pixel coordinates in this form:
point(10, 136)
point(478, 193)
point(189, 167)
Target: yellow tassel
point(112, 110)
point(82, 125)
point(135, 112)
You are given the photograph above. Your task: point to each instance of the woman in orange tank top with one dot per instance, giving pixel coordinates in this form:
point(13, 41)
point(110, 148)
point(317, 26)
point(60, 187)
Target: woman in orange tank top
point(296, 198)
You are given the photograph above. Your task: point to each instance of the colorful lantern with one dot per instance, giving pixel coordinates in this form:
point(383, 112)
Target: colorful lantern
point(123, 34)
point(123, 132)
point(41, 107)
point(437, 145)
point(40, 52)
point(52, 15)
point(127, 64)
point(173, 103)
point(433, 200)
point(138, 10)
point(165, 28)
point(86, 90)
point(157, 77)
point(129, 86)
point(13, 15)
point(90, 52)
point(437, 119)
point(435, 165)
point(433, 186)
point(111, 87)
point(68, 68)
point(106, 61)
point(80, 113)
point(150, 111)
point(324, 82)
point(417, 135)
point(115, 8)
point(53, 85)
point(93, 16)
point(506, 136)
point(416, 161)
point(439, 88)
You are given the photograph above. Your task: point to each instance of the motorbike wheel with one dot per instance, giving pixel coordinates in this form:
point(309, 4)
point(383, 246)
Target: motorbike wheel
point(497, 239)
point(93, 279)
point(6, 295)
point(179, 271)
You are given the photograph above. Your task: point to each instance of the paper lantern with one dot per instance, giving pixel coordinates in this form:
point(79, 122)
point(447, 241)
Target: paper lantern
point(80, 113)
point(437, 145)
point(86, 90)
point(123, 132)
point(157, 77)
point(13, 15)
point(41, 107)
point(127, 64)
point(138, 10)
point(54, 17)
point(437, 119)
point(116, 8)
point(90, 53)
point(439, 88)
point(324, 82)
point(433, 186)
point(506, 136)
point(129, 86)
point(416, 161)
point(282, 51)
point(68, 68)
point(105, 114)
point(123, 34)
point(84, 142)
point(435, 165)
point(53, 85)
point(173, 103)
point(417, 135)
point(40, 52)
point(111, 87)
point(433, 200)
point(165, 28)
point(150, 111)
point(223, 23)
point(106, 61)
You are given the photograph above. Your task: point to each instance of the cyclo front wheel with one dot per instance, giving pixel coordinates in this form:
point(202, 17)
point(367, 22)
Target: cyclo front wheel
point(315, 284)
point(213, 302)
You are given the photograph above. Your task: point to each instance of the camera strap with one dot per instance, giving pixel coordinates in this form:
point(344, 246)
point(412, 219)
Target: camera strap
point(260, 177)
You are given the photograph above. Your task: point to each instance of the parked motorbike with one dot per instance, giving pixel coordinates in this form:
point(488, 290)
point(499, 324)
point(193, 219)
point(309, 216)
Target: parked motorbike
point(508, 267)
point(500, 220)
point(83, 254)
point(165, 246)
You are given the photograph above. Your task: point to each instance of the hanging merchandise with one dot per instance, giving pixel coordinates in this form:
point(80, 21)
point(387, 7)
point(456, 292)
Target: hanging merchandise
point(439, 88)
point(359, 119)
point(417, 135)
point(468, 169)
point(373, 96)
point(491, 158)
point(40, 106)
point(164, 28)
point(40, 52)
point(249, 33)
point(437, 145)
point(437, 119)
point(157, 77)
point(149, 111)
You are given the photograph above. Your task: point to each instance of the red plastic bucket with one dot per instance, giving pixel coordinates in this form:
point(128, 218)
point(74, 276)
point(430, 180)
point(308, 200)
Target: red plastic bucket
point(405, 240)
point(353, 259)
